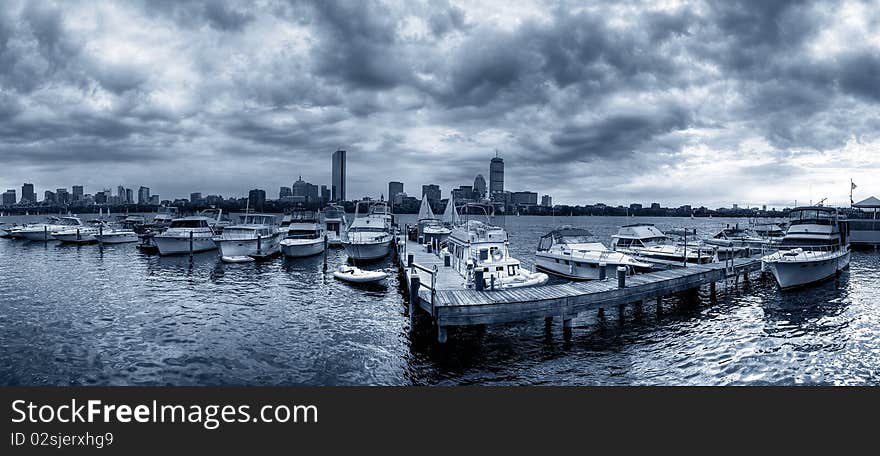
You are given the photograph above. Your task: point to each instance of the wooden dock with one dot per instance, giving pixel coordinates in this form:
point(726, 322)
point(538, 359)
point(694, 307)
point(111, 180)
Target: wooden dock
point(442, 293)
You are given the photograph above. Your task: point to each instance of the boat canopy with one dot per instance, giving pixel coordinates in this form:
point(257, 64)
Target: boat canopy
point(568, 232)
point(640, 231)
point(425, 212)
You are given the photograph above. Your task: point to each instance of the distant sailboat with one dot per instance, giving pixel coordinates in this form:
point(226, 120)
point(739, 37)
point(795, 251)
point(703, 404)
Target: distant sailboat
point(450, 216)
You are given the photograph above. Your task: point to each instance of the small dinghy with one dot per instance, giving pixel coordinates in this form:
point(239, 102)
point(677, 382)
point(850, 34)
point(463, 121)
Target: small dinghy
point(237, 259)
point(357, 275)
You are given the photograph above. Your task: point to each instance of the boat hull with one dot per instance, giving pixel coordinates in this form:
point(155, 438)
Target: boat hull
point(333, 239)
point(117, 238)
point(248, 247)
point(793, 274)
point(34, 235)
point(181, 246)
point(581, 269)
point(302, 249)
point(367, 251)
point(71, 237)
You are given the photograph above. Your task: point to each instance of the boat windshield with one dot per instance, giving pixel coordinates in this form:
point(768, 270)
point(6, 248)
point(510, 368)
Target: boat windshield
point(257, 219)
point(367, 229)
point(811, 216)
point(69, 221)
point(188, 224)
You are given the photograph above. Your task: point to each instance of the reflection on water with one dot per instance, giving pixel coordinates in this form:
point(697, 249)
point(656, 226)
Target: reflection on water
point(90, 315)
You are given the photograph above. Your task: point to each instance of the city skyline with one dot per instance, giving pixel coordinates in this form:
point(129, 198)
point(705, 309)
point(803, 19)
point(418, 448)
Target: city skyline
point(709, 103)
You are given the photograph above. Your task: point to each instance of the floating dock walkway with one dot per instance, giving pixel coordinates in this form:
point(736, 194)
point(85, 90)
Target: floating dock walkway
point(441, 292)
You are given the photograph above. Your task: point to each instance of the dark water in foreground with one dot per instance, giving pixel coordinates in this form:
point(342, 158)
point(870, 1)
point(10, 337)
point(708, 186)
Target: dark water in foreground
point(84, 316)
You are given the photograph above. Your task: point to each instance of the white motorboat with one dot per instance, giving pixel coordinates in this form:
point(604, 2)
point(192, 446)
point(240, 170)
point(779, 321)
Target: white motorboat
point(111, 235)
point(77, 235)
point(815, 247)
point(430, 228)
point(335, 224)
point(186, 235)
point(356, 275)
point(481, 251)
point(216, 219)
point(369, 235)
point(575, 253)
point(733, 241)
point(164, 217)
point(43, 231)
point(256, 236)
point(304, 235)
point(646, 241)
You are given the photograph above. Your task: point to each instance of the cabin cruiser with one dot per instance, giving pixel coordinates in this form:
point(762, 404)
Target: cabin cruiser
point(815, 247)
point(216, 219)
point(480, 250)
point(78, 234)
point(369, 235)
point(164, 217)
point(116, 235)
point(186, 235)
point(575, 253)
point(734, 241)
point(430, 228)
point(646, 241)
point(335, 224)
point(133, 222)
point(304, 235)
point(771, 231)
point(43, 231)
point(255, 236)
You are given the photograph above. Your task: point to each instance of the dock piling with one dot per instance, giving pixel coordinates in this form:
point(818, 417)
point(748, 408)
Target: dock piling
point(326, 241)
point(409, 260)
point(621, 277)
point(603, 271)
point(190, 243)
point(479, 283)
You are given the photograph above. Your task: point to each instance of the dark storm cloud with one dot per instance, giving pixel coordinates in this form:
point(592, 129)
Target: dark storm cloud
point(569, 92)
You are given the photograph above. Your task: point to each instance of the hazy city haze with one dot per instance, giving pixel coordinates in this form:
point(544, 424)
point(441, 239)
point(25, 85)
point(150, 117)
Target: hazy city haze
point(677, 102)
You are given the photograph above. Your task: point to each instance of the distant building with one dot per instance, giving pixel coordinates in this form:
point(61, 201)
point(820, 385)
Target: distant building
point(28, 195)
point(393, 189)
point(144, 195)
point(9, 197)
point(655, 205)
point(338, 175)
point(129, 196)
point(325, 194)
point(432, 191)
point(101, 197)
point(546, 201)
point(154, 200)
point(62, 196)
point(524, 198)
point(49, 197)
point(764, 208)
point(305, 190)
point(735, 206)
point(635, 207)
point(496, 175)
point(214, 200)
point(480, 186)
point(463, 193)
point(285, 192)
point(78, 195)
point(195, 198)
point(257, 199)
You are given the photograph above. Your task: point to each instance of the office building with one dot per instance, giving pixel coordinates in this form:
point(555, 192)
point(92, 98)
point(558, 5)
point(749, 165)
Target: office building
point(325, 194)
point(393, 189)
point(432, 191)
point(480, 186)
point(285, 192)
point(338, 183)
point(195, 197)
point(78, 195)
point(62, 196)
point(257, 199)
point(129, 196)
point(496, 175)
point(524, 198)
point(49, 197)
point(463, 193)
point(546, 201)
point(144, 195)
point(9, 197)
point(28, 195)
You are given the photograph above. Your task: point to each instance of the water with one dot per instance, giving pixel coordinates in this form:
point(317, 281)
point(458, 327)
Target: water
point(74, 315)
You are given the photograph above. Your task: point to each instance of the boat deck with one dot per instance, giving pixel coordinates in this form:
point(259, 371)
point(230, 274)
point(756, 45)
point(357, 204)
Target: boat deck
point(450, 303)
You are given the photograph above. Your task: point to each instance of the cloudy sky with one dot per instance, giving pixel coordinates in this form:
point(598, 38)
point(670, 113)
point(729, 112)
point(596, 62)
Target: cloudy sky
point(678, 102)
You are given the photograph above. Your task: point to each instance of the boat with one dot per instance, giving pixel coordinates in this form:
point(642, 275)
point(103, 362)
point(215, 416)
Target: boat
point(216, 219)
point(435, 230)
point(43, 231)
point(185, 235)
point(369, 236)
point(479, 250)
point(78, 234)
point(644, 240)
point(116, 235)
point(356, 275)
point(734, 241)
point(815, 247)
point(335, 224)
point(574, 253)
point(255, 235)
point(164, 217)
point(304, 235)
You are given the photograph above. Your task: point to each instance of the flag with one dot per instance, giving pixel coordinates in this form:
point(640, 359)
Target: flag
point(852, 185)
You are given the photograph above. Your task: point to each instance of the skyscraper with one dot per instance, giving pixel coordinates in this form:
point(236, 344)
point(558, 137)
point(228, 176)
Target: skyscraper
point(120, 192)
point(393, 189)
point(28, 195)
point(144, 195)
point(62, 196)
point(195, 197)
point(257, 199)
point(496, 175)
point(49, 197)
point(129, 196)
point(547, 201)
point(9, 197)
point(77, 193)
point(479, 186)
point(284, 192)
point(325, 194)
point(432, 191)
point(338, 183)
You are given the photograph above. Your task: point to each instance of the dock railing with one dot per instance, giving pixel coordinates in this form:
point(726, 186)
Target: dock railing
point(433, 287)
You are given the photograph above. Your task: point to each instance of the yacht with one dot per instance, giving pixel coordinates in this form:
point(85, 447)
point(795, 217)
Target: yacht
point(815, 247)
point(164, 217)
point(116, 235)
point(733, 240)
point(304, 235)
point(43, 231)
point(476, 246)
point(369, 235)
point(134, 222)
point(216, 219)
point(255, 236)
point(646, 241)
point(431, 229)
point(335, 224)
point(186, 235)
point(575, 253)
point(78, 234)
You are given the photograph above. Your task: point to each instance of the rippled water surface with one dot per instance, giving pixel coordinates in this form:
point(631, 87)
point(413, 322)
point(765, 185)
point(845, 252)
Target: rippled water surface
point(86, 315)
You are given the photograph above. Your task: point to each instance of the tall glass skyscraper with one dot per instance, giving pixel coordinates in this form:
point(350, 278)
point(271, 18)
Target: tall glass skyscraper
point(338, 183)
point(496, 175)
